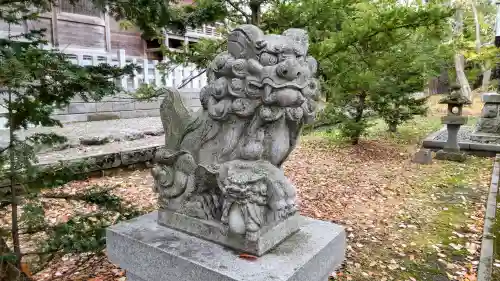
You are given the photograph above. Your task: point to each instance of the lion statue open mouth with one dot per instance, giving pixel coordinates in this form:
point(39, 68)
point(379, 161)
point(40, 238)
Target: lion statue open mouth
point(223, 162)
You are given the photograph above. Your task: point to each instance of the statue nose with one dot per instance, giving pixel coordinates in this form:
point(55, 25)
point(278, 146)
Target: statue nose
point(289, 70)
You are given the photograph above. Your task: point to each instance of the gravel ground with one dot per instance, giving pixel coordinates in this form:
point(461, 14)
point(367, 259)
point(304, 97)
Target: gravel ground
point(111, 130)
point(463, 134)
point(113, 147)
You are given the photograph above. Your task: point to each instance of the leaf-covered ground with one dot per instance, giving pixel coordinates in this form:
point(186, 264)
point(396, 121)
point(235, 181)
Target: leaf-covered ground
point(404, 221)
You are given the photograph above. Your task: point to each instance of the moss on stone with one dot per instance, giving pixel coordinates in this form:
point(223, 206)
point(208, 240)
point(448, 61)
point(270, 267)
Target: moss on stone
point(455, 98)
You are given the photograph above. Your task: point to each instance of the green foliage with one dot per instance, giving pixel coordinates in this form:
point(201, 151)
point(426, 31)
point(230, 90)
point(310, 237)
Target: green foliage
point(34, 81)
point(79, 234)
point(199, 54)
point(406, 68)
point(33, 216)
point(476, 45)
point(153, 15)
point(488, 55)
point(373, 56)
point(87, 232)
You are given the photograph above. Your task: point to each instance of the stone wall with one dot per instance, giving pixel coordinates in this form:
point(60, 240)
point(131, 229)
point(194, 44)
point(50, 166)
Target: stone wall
point(116, 107)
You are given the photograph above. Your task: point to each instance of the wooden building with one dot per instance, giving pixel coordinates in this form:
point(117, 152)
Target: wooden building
point(82, 28)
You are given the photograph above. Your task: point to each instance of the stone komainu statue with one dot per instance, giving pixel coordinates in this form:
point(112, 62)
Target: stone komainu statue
point(221, 164)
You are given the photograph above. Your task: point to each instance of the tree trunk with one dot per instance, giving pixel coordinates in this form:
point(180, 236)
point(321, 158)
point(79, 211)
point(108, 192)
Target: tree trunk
point(443, 81)
point(461, 77)
point(12, 170)
point(459, 58)
point(393, 127)
point(477, 27)
point(255, 8)
point(486, 80)
point(359, 116)
point(486, 72)
point(13, 189)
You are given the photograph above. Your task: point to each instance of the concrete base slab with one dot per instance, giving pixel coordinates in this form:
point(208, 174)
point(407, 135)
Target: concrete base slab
point(151, 252)
point(437, 141)
point(268, 237)
point(485, 138)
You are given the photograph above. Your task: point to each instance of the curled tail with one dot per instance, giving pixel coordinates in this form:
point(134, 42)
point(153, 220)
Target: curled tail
point(175, 118)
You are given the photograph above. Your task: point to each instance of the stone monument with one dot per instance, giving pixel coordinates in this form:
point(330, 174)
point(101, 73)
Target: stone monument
point(453, 120)
point(222, 192)
point(488, 126)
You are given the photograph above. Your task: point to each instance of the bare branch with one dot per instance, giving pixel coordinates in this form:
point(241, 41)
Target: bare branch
point(3, 149)
point(237, 8)
point(190, 78)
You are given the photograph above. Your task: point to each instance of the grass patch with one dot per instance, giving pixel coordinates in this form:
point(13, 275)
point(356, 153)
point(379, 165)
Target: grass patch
point(442, 241)
point(411, 132)
point(433, 237)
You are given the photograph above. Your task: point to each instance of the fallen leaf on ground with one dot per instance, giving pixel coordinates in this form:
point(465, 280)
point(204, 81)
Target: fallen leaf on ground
point(248, 257)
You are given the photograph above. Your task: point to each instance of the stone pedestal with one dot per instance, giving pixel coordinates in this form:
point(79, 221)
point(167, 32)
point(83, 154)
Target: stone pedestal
point(488, 126)
point(451, 150)
point(268, 237)
point(151, 252)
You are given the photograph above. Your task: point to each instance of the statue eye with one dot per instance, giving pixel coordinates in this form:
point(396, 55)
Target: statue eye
point(267, 59)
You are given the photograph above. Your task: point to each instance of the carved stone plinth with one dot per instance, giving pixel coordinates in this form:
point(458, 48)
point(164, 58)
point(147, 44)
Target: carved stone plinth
point(151, 252)
point(268, 236)
point(452, 142)
point(488, 126)
point(451, 150)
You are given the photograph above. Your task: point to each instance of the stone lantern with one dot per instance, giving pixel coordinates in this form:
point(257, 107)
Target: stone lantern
point(453, 120)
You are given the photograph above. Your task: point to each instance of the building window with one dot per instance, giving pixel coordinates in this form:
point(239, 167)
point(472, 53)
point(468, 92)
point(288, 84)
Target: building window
point(175, 43)
point(82, 7)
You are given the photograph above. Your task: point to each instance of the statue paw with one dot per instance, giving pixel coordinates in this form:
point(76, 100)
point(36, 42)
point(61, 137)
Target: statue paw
point(252, 236)
point(163, 177)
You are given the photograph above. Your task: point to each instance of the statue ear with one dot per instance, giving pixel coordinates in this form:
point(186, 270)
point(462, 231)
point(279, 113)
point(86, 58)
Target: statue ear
point(312, 64)
point(243, 41)
point(299, 36)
